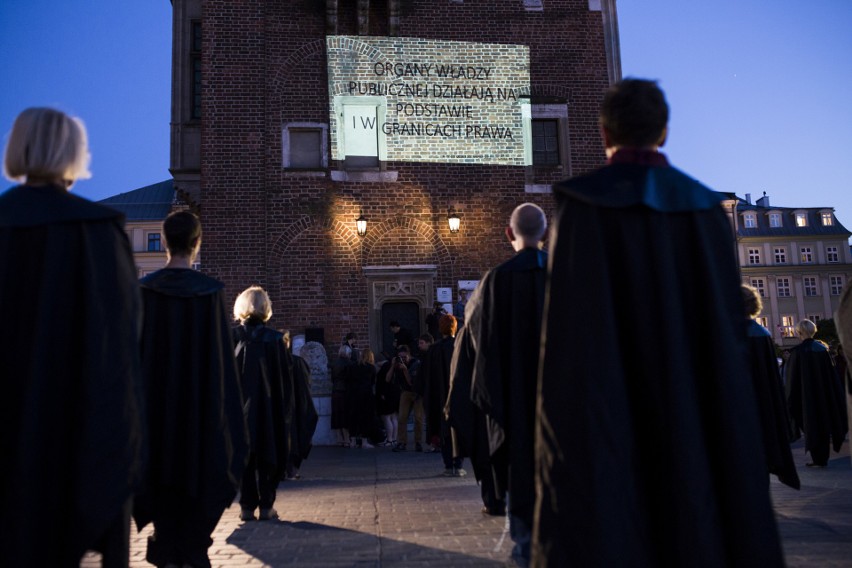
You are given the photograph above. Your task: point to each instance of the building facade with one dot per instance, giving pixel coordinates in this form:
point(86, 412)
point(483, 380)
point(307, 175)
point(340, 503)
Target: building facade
point(291, 119)
point(144, 210)
point(797, 258)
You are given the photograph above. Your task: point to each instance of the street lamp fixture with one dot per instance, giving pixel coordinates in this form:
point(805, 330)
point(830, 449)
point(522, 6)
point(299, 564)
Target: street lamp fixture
point(361, 224)
point(453, 220)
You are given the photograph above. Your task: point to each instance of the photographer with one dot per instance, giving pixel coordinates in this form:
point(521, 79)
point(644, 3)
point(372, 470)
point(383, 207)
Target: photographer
point(406, 371)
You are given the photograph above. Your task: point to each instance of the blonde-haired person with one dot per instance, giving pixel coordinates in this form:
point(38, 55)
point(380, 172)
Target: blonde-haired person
point(813, 398)
point(360, 404)
point(73, 346)
point(264, 363)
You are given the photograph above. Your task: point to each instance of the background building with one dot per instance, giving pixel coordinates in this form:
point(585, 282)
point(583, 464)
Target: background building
point(145, 209)
point(291, 119)
point(798, 258)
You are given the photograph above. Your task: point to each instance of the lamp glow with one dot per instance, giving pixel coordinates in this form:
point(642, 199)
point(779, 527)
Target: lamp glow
point(361, 224)
point(453, 220)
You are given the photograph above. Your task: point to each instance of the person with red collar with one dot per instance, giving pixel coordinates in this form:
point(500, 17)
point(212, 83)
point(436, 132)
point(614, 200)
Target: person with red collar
point(648, 442)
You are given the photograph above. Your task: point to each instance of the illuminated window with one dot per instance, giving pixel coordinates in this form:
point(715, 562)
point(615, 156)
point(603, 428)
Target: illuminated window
point(831, 254)
point(545, 142)
point(759, 285)
point(304, 146)
point(836, 285)
point(788, 326)
point(810, 285)
point(827, 219)
point(801, 219)
point(775, 220)
point(750, 220)
point(782, 285)
point(807, 255)
point(195, 66)
point(154, 242)
point(762, 320)
point(754, 256)
point(780, 255)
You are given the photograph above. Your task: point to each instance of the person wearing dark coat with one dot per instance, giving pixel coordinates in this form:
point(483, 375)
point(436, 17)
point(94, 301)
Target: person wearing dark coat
point(196, 426)
point(648, 443)
point(769, 392)
point(437, 385)
point(843, 319)
point(266, 378)
point(467, 422)
point(814, 397)
point(387, 402)
point(505, 324)
point(305, 417)
point(72, 441)
point(360, 406)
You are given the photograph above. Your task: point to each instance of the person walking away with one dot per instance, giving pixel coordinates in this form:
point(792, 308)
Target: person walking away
point(360, 407)
point(266, 379)
point(196, 425)
point(814, 398)
point(73, 442)
point(635, 422)
point(505, 329)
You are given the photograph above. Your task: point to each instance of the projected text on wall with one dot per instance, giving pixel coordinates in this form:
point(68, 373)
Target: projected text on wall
point(409, 99)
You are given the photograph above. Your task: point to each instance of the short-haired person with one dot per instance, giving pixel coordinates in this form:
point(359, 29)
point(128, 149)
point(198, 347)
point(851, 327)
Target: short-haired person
point(437, 391)
point(769, 392)
point(197, 431)
point(656, 435)
point(406, 375)
point(814, 397)
point(505, 325)
point(266, 379)
point(72, 386)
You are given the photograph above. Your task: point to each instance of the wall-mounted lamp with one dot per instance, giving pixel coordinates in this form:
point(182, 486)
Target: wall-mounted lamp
point(361, 224)
point(453, 220)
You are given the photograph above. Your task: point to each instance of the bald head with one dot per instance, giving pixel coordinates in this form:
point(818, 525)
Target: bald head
point(527, 226)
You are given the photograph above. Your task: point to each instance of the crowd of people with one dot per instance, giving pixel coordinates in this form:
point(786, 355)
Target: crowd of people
point(602, 446)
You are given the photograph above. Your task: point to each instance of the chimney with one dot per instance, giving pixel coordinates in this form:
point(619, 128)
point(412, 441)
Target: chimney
point(748, 198)
point(763, 201)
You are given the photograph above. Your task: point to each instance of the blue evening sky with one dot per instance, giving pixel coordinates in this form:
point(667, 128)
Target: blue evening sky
point(760, 90)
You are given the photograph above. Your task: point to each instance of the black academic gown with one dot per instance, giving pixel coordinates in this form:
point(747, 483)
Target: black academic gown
point(467, 421)
point(815, 400)
point(305, 416)
point(771, 404)
point(435, 379)
point(648, 445)
point(505, 324)
point(266, 378)
point(196, 424)
point(72, 440)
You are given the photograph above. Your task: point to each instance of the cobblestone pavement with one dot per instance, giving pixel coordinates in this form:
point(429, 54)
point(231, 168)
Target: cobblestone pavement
point(356, 508)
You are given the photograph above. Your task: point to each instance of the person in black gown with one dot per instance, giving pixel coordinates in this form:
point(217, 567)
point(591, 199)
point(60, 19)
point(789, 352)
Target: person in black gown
point(72, 441)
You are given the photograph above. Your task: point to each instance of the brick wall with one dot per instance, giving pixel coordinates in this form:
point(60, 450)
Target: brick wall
point(264, 65)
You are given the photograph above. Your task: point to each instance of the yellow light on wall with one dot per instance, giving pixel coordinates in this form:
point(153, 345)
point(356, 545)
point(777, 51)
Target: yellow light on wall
point(453, 220)
point(361, 224)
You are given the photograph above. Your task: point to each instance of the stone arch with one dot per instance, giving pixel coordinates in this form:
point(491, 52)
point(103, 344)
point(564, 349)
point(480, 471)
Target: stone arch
point(378, 234)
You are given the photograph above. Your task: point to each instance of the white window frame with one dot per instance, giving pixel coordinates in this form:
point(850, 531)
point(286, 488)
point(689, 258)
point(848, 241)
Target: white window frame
point(788, 325)
point(753, 256)
point(810, 286)
point(832, 255)
point(814, 317)
point(801, 218)
point(776, 220)
point(750, 220)
point(806, 255)
point(780, 255)
point(759, 284)
point(836, 283)
point(783, 287)
point(826, 218)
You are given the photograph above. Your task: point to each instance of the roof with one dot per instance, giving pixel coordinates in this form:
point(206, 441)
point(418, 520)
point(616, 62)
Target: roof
point(788, 226)
point(149, 203)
